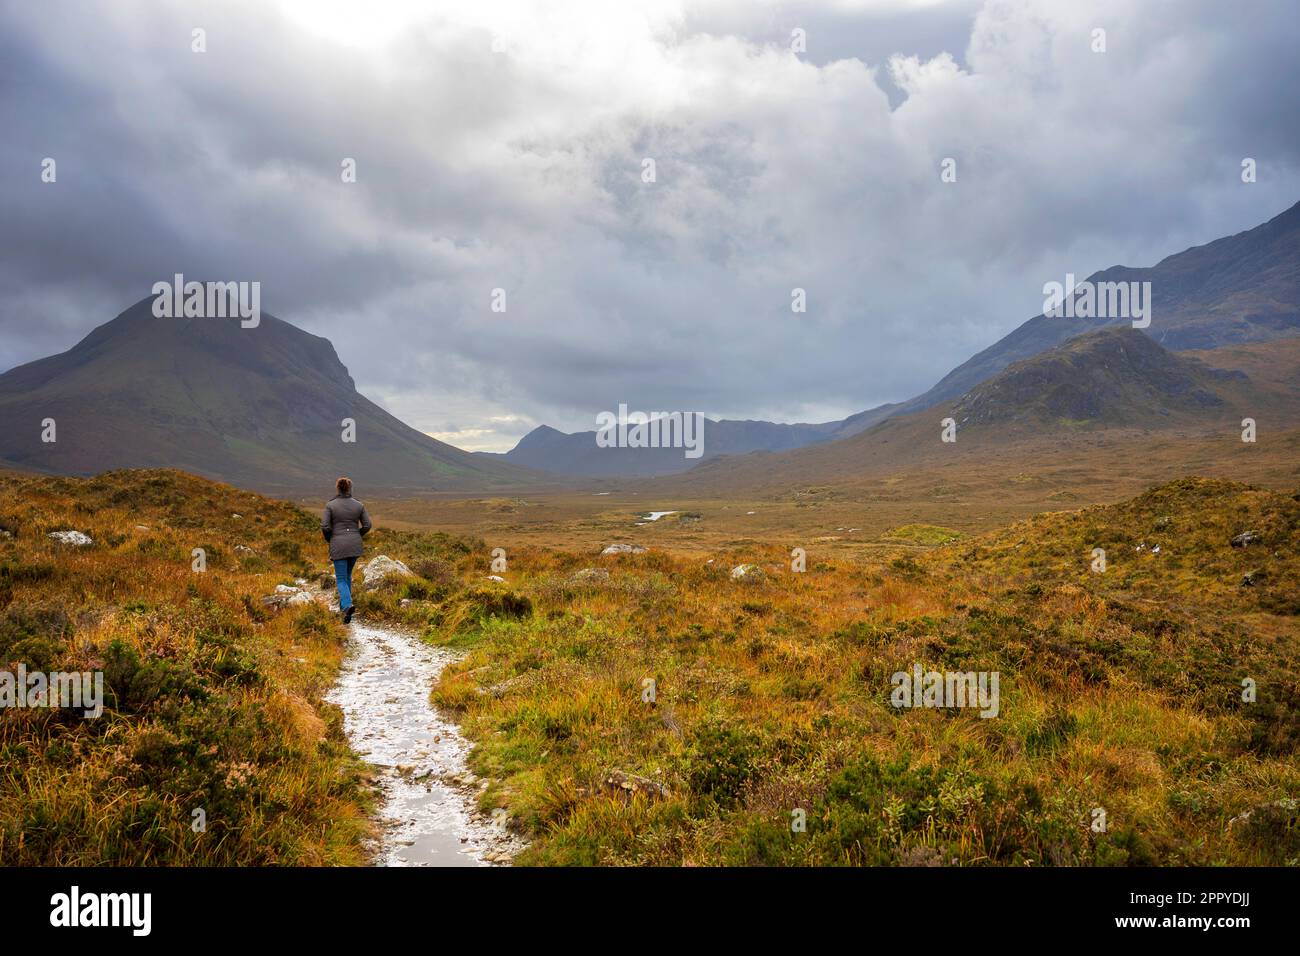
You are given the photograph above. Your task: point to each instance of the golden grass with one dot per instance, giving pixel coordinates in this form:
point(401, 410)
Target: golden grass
point(214, 703)
point(752, 703)
point(1119, 692)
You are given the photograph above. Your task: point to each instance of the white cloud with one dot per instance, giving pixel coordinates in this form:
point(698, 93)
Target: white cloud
point(522, 170)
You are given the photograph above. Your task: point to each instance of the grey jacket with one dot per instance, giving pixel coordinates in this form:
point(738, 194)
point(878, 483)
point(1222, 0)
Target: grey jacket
point(343, 523)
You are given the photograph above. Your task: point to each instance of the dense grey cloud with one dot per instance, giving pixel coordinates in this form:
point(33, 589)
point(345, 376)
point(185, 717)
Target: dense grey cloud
point(502, 146)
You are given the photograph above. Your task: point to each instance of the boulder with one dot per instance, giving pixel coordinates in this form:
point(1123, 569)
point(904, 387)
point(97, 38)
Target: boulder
point(499, 689)
point(624, 549)
point(74, 538)
point(632, 784)
point(1244, 539)
point(747, 572)
point(382, 569)
point(415, 604)
point(1287, 810)
point(286, 596)
point(595, 576)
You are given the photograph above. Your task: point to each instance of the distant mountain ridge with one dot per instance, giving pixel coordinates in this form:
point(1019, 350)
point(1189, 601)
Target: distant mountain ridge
point(1238, 289)
point(577, 453)
point(260, 407)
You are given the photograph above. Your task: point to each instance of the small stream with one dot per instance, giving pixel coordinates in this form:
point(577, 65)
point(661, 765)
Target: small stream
point(428, 815)
point(651, 516)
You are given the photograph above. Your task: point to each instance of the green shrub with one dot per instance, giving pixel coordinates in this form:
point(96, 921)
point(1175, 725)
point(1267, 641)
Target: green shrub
point(720, 760)
point(34, 635)
point(435, 570)
point(287, 550)
point(472, 608)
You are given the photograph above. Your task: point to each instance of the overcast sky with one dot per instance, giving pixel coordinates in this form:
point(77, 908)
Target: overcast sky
point(501, 145)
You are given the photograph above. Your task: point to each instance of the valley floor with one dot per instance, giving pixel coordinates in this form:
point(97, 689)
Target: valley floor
point(853, 515)
point(662, 707)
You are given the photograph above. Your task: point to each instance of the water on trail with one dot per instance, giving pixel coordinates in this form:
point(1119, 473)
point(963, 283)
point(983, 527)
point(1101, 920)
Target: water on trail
point(428, 814)
point(650, 516)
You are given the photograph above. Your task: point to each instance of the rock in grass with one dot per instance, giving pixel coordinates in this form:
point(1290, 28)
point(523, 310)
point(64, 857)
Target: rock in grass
point(1285, 811)
point(624, 549)
point(286, 596)
point(382, 569)
point(74, 538)
point(747, 572)
point(499, 689)
point(596, 576)
point(632, 784)
point(1244, 539)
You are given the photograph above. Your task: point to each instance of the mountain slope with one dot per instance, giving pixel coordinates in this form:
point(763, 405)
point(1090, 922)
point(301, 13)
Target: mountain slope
point(1242, 288)
point(1113, 387)
point(1111, 377)
point(261, 407)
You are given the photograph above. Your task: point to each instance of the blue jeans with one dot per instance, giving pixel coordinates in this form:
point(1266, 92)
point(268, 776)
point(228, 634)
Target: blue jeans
point(343, 577)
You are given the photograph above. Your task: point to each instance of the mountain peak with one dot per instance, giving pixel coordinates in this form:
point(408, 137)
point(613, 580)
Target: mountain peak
point(540, 437)
point(263, 407)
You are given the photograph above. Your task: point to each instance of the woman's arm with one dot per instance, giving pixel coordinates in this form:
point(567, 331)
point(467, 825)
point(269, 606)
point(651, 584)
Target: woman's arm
point(365, 521)
point(327, 523)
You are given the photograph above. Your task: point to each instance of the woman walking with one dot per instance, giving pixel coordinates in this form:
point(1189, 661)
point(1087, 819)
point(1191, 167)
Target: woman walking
point(344, 524)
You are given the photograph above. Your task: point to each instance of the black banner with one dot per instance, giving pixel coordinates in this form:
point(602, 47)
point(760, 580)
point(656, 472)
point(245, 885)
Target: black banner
point(336, 905)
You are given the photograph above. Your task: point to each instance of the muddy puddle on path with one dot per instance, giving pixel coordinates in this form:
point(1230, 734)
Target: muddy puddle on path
point(427, 815)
